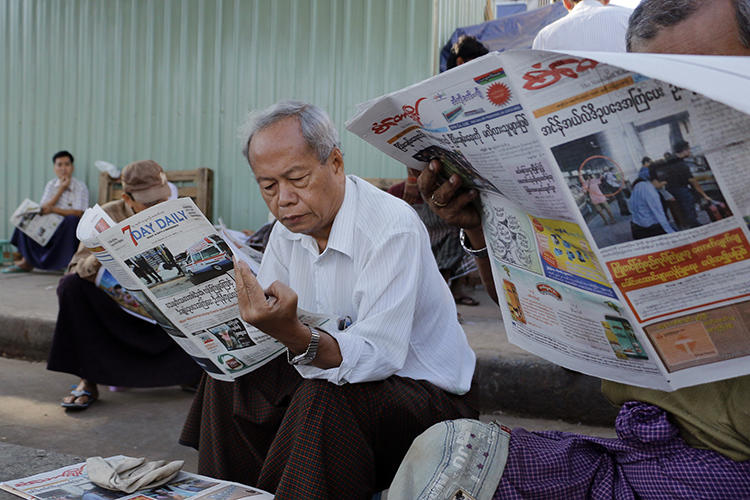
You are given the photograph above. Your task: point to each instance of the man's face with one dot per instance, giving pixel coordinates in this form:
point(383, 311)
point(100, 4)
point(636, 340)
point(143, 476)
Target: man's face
point(711, 30)
point(303, 194)
point(63, 167)
point(683, 154)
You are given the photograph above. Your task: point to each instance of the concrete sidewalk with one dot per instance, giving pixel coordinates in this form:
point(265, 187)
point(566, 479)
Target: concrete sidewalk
point(507, 379)
point(37, 435)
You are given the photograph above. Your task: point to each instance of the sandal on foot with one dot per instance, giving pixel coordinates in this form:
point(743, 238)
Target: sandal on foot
point(79, 406)
point(465, 300)
point(15, 269)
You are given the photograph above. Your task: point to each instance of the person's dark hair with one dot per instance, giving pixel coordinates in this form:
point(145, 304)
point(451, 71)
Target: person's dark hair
point(681, 146)
point(652, 15)
point(653, 173)
point(646, 159)
point(62, 154)
point(467, 48)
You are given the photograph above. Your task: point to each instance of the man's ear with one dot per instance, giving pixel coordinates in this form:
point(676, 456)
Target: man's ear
point(337, 160)
point(128, 200)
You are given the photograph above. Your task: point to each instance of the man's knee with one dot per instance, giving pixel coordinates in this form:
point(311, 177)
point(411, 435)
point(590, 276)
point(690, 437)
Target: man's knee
point(71, 286)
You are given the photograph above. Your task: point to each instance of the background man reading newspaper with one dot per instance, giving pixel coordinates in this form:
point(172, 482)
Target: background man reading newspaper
point(335, 417)
point(97, 340)
point(690, 443)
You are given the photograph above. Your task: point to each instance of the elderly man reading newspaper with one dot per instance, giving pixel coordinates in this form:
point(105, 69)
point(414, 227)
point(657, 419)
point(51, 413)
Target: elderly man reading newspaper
point(690, 443)
point(334, 417)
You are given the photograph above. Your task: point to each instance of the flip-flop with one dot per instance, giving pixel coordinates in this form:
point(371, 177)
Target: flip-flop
point(15, 269)
point(467, 301)
point(79, 406)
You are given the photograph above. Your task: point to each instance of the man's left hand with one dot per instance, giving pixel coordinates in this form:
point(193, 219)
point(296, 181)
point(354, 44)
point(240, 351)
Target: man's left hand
point(272, 311)
point(47, 208)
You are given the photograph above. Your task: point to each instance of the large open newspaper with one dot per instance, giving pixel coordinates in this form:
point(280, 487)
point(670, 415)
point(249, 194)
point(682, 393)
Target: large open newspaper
point(174, 263)
point(555, 144)
point(72, 483)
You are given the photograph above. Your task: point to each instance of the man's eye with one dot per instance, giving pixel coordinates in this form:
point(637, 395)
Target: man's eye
point(268, 187)
point(299, 179)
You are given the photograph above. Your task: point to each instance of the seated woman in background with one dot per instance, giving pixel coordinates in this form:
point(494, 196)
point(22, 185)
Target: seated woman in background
point(64, 196)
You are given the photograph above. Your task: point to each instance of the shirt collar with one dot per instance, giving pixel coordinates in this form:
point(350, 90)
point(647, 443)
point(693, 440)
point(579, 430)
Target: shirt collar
point(587, 4)
point(341, 238)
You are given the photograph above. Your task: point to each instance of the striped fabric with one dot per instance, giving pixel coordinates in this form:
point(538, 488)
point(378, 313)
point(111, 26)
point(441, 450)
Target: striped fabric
point(379, 270)
point(648, 460)
point(76, 197)
point(310, 439)
point(589, 26)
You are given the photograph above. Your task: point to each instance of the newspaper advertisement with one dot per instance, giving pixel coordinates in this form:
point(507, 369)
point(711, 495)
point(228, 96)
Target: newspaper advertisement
point(29, 220)
point(614, 202)
point(180, 269)
point(72, 483)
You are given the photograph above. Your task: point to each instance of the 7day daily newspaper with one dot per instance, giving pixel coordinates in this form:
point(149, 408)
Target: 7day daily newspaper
point(555, 142)
point(72, 483)
point(178, 268)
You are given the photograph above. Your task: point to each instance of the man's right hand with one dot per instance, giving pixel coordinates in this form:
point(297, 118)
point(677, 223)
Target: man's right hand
point(451, 204)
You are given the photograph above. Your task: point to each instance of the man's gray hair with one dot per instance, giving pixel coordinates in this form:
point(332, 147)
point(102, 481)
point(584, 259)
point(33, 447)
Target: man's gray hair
point(317, 128)
point(652, 15)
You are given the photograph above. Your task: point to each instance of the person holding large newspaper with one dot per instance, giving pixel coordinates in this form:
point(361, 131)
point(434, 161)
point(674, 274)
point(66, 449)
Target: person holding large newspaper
point(94, 337)
point(690, 443)
point(67, 198)
point(333, 418)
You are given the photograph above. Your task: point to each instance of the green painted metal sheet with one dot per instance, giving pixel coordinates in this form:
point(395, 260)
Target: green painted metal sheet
point(171, 80)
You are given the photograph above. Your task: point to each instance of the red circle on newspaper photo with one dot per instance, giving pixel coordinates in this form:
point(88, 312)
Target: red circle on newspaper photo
point(498, 94)
point(538, 227)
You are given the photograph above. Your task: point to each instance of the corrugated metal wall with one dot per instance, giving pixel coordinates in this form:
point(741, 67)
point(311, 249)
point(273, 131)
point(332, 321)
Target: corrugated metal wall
point(171, 80)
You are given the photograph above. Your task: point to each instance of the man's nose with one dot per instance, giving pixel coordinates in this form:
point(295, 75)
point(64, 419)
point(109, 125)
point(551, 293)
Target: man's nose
point(287, 195)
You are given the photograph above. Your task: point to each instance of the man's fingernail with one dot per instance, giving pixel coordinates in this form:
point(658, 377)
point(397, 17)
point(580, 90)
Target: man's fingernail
point(454, 179)
point(431, 167)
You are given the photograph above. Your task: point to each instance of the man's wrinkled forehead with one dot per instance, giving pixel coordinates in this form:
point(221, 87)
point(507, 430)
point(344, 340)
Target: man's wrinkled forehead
point(710, 30)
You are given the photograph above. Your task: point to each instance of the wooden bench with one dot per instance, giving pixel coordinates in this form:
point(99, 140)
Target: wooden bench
point(198, 184)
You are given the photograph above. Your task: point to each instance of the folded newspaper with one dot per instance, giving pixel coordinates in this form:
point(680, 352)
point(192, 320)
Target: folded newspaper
point(29, 220)
point(72, 483)
point(633, 275)
point(168, 263)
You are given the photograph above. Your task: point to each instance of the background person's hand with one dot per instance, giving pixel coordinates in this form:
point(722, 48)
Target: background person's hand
point(64, 183)
point(272, 311)
point(447, 200)
point(47, 208)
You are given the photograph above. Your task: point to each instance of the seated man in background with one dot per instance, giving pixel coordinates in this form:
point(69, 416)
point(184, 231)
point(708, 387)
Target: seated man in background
point(64, 196)
point(690, 443)
point(334, 417)
point(94, 337)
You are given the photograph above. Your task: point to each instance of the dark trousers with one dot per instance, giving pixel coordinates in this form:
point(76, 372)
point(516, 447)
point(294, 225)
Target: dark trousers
point(311, 439)
point(640, 232)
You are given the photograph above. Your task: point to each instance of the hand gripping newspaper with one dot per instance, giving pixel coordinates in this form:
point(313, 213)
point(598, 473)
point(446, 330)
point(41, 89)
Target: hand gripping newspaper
point(615, 199)
point(72, 483)
point(29, 220)
point(179, 269)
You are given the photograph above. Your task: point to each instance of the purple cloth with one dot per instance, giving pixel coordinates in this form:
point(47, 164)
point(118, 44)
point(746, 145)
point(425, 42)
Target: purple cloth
point(58, 251)
point(647, 460)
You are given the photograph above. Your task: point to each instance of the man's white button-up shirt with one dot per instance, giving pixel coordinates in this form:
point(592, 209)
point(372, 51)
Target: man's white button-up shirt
point(379, 270)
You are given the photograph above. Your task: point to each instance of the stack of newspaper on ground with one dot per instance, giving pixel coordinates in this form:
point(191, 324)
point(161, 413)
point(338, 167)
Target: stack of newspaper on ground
point(72, 483)
point(170, 264)
point(554, 143)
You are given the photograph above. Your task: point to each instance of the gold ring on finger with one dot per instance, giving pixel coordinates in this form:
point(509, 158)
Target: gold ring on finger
point(437, 203)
